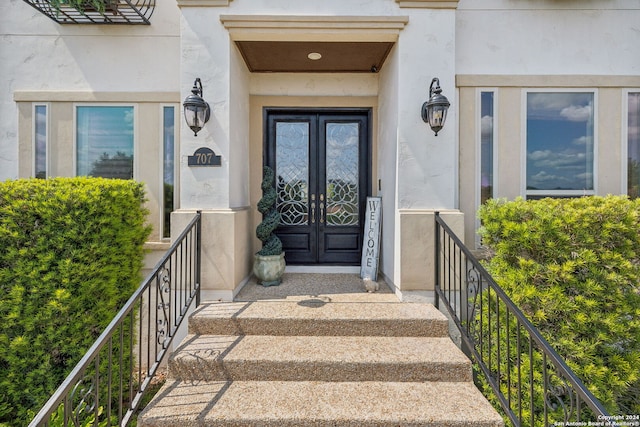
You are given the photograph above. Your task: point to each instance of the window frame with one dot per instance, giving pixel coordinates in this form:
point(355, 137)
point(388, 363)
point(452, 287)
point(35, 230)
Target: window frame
point(524, 144)
point(34, 137)
point(136, 144)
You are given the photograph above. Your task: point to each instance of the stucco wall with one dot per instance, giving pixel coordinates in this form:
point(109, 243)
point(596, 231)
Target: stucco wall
point(548, 37)
point(38, 54)
point(426, 163)
point(387, 129)
point(239, 131)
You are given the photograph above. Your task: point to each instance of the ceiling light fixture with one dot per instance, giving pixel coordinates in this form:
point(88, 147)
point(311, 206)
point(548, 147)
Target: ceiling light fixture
point(314, 56)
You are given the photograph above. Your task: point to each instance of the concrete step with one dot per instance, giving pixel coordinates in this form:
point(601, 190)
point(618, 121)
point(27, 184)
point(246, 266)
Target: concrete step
point(318, 317)
point(315, 362)
point(323, 404)
point(319, 358)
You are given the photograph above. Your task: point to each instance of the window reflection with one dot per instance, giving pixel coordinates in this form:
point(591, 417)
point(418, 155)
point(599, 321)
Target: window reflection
point(486, 146)
point(40, 141)
point(104, 140)
point(633, 144)
point(560, 143)
point(168, 166)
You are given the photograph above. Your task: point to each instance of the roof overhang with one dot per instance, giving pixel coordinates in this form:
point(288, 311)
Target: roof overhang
point(290, 43)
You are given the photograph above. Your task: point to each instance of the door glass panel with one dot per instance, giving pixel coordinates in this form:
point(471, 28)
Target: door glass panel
point(292, 172)
point(342, 174)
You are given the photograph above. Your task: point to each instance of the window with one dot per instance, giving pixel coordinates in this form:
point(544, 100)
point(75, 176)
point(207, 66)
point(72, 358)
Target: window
point(633, 145)
point(486, 146)
point(560, 148)
point(63, 134)
point(104, 141)
point(168, 167)
point(40, 137)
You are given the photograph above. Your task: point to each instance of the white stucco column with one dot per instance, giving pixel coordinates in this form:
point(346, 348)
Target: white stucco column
point(205, 55)
point(426, 179)
point(427, 171)
point(221, 192)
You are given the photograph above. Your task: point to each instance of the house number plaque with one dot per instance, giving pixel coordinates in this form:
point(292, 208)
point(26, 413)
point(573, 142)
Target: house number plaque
point(204, 156)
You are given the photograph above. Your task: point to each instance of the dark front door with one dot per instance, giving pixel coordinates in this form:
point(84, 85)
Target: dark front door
point(321, 160)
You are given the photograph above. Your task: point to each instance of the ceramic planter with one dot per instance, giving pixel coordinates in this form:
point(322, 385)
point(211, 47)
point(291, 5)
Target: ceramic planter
point(269, 269)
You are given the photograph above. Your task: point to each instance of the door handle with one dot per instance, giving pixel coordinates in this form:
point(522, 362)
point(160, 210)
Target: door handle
point(321, 208)
point(313, 209)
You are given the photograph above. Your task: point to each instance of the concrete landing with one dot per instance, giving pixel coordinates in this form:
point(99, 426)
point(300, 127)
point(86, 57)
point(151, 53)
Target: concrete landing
point(327, 287)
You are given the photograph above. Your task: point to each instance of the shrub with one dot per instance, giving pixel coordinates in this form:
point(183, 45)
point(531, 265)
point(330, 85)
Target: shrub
point(572, 266)
point(72, 251)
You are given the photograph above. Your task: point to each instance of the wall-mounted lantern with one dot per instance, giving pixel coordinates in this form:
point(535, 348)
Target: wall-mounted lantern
point(196, 109)
point(434, 111)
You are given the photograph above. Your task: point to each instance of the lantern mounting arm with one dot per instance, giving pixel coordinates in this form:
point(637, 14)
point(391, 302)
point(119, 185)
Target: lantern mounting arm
point(197, 87)
point(432, 91)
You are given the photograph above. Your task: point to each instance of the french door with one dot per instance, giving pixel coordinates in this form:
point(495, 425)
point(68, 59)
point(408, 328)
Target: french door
point(321, 159)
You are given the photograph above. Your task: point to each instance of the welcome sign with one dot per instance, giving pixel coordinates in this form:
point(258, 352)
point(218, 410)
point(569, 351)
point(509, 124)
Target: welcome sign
point(371, 242)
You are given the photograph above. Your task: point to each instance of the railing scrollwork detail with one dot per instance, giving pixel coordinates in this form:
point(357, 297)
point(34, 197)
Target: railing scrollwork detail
point(559, 396)
point(163, 306)
point(84, 393)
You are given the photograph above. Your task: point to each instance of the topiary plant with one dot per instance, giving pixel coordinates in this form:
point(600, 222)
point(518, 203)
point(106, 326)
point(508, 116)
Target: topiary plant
point(271, 244)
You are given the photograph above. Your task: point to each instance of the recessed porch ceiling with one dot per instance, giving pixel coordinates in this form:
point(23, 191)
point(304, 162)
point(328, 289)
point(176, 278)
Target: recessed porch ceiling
point(294, 56)
point(283, 43)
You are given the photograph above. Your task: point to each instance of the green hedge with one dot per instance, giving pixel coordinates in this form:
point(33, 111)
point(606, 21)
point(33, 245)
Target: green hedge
point(72, 251)
point(573, 267)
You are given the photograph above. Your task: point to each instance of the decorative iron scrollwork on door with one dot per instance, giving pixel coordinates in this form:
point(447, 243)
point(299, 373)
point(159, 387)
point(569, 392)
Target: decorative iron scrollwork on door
point(342, 206)
point(292, 172)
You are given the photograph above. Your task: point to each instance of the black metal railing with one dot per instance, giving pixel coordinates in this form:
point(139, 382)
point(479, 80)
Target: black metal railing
point(531, 382)
point(107, 386)
point(116, 12)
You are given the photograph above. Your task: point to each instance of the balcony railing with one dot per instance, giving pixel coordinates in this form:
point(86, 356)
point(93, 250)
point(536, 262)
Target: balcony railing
point(529, 379)
point(108, 385)
point(128, 12)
